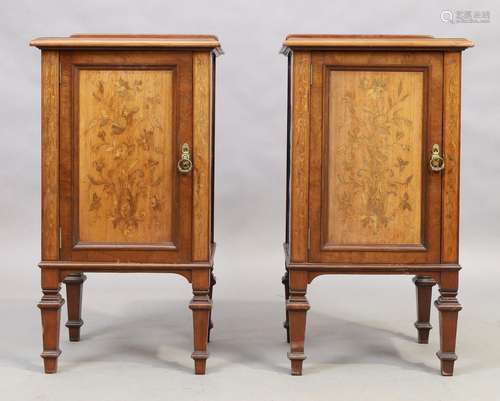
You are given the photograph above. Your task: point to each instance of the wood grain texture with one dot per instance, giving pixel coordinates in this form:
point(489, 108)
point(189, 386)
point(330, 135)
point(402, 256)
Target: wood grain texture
point(201, 155)
point(297, 306)
point(428, 249)
point(74, 292)
point(50, 155)
point(451, 151)
point(178, 250)
point(144, 35)
point(448, 307)
point(128, 41)
point(355, 36)
point(50, 307)
point(117, 111)
point(374, 157)
point(301, 70)
point(423, 286)
point(375, 42)
point(126, 166)
point(347, 128)
point(201, 305)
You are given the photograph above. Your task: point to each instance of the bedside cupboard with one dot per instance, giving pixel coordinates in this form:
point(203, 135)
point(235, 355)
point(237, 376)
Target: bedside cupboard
point(127, 169)
point(373, 170)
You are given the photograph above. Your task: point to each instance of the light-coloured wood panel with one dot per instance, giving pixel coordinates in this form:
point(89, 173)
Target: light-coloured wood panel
point(125, 140)
point(201, 155)
point(301, 90)
point(451, 151)
point(428, 249)
point(375, 157)
point(50, 155)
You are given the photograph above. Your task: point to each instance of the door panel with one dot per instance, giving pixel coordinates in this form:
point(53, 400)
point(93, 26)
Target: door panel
point(125, 180)
point(124, 118)
point(374, 157)
point(374, 120)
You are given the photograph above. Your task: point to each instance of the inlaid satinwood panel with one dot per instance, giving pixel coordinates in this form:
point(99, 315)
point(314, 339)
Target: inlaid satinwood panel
point(374, 161)
point(125, 126)
point(374, 119)
point(124, 119)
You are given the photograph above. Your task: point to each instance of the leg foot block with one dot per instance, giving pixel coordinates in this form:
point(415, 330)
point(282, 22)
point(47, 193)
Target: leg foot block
point(50, 360)
point(74, 329)
point(296, 359)
point(423, 329)
point(200, 362)
point(447, 362)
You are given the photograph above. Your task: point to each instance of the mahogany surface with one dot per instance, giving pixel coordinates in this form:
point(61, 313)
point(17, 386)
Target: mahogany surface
point(365, 113)
point(118, 114)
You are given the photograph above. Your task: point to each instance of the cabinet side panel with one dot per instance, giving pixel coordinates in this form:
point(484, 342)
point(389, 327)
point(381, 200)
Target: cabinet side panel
point(288, 132)
point(212, 149)
point(50, 155)
point(201, 155)
point(451, 151)
point(301, 90)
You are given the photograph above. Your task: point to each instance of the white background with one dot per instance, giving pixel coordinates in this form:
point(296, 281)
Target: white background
point(136, 340)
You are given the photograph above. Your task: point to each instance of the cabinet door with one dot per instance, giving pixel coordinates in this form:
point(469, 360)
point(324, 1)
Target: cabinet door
point(374, 120)
point(125, 117)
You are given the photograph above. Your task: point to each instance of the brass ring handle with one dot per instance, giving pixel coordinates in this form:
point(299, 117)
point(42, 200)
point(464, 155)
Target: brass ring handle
point(437, 161)
point(185, 165)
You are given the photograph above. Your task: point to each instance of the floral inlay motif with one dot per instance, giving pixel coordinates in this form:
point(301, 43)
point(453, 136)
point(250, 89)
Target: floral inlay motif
point(375, 151)
point(123, 145)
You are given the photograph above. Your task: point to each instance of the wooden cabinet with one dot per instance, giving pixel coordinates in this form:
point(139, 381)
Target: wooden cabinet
point(373, 170)
point(127, 169)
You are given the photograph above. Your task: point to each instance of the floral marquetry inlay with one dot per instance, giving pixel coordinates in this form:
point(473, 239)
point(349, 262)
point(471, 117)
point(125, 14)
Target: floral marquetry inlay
point(375, 157)
point(125, 155)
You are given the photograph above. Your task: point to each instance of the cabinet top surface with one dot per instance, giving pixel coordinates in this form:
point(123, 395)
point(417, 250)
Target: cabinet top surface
point(307, 41)
point(107, 41)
